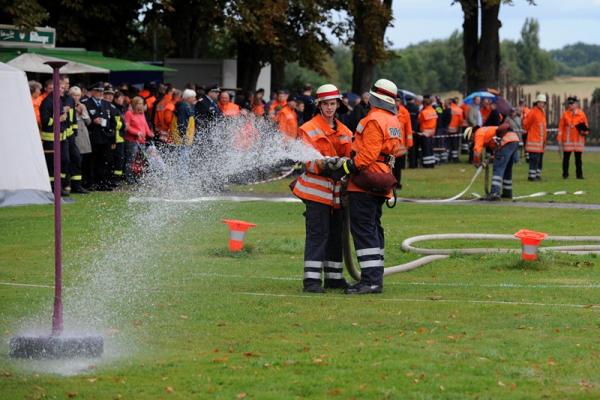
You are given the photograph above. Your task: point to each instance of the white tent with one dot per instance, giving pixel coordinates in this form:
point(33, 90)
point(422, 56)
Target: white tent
point(32, 62)
point(23, 173)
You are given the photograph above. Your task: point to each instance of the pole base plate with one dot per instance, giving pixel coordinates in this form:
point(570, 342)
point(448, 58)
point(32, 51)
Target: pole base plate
point(56, 347)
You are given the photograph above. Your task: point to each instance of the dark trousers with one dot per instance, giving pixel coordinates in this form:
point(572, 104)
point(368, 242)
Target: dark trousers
point(427, 152)
point(75, 174)
point(368, 236)
point(102, 157)
point(86, 169)
point(118, 167)
point(453, 145)
point(503, 164)
point(536, 162)
point(323, 246)
point(413, 154)
point(64, 160)
point(578, 163)
point(399, 165)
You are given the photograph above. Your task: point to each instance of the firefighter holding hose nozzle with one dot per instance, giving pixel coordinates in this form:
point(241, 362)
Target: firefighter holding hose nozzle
point(504, 145)
point(321, 193)
point(377, 141)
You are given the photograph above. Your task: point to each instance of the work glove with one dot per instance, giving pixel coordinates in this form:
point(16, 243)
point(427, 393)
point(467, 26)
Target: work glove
point(346, 169)
point(476, 159)
point(334, 163)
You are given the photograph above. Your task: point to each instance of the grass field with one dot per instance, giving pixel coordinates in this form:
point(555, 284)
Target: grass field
point(201, 323)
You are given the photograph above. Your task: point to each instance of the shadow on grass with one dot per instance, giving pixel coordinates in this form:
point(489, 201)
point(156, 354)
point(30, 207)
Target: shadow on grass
point(247, 251)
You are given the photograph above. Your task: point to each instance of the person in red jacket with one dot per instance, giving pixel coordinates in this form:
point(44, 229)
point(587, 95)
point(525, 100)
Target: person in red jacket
point(321, 194)
point(505, 145)
point(377, 141)
point(137, 130)
point(572, 130)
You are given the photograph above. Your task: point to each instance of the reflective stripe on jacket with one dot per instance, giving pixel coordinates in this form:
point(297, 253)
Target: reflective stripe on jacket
point(568, 134)
point(311, 185)
point(535, 125)
point(379, 133)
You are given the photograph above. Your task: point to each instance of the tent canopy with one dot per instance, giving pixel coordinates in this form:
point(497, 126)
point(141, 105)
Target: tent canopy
point(32, 62)
point(89, 58)
point(23, 173)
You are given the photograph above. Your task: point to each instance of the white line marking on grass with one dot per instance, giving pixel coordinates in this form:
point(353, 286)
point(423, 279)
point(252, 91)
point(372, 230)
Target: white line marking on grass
point(460, 301)
point(25, 285)
point(447, 284)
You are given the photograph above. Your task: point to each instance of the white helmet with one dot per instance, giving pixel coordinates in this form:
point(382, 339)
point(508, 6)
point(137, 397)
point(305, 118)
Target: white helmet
point(328, 92)
point(541, 98)
point(385, 90)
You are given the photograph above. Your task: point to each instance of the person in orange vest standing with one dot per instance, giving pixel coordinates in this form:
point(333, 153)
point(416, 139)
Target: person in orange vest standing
point(407, 138)
point(163, 115)
point(572, 130)
point(277, 104)
point(535, 125)
point(377, 141)
point(228, 108)
point(505, 145)
point(287, 119)
point(321, 194)
point(454, 127)
point(428, 123)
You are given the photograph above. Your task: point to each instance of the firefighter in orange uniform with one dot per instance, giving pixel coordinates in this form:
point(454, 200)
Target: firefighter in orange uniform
point(287, 119)
point(377, 141)
point(428, 123)
point(505, 145)
point(456, 123)
point(277, 105)
point(228, 108)
point(163, 116)
point(572, 130)
point(535, 125)
point(407, 138)
point(321, 194)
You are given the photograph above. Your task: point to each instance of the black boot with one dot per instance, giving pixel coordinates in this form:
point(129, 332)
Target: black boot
point(313, 286)
point(363, 288)
point(77, 188)
point(336, 284)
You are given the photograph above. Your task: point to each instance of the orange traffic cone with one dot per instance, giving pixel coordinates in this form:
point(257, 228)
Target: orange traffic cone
point(530, 243)
point(237, 232)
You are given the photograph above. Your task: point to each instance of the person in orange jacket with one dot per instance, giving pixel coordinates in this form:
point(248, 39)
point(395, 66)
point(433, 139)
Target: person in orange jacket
point(321, 194)
point(572, 130)
point(428, 123)
point(377, 141)
point(535, 125)
point(163, 115)
point(228, 108)
point(287, 119)
point(35, 89)
point(457, 119)
point(277, 105)
point(403, 116)
point(505, 145)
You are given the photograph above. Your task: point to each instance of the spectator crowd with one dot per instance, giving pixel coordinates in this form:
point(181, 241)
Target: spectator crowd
point(108, 132)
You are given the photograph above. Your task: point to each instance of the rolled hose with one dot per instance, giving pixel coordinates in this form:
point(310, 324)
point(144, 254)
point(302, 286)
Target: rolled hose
point(431, 255)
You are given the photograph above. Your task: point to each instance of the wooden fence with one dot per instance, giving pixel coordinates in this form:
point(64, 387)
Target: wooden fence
point(555, 107)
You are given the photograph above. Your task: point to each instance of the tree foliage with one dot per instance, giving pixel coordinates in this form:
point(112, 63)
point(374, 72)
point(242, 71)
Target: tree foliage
point(578, 59)
point(535, 64)
point(26, 14)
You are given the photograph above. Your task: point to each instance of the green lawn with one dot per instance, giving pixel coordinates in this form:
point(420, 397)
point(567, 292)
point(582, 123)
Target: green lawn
point(184, 319)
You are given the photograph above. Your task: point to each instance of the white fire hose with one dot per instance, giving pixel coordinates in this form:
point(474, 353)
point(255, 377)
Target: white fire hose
point(431, 255)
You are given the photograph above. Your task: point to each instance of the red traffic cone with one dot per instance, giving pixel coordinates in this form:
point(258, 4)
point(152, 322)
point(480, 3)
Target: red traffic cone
point(530, 243)
point(237, 232)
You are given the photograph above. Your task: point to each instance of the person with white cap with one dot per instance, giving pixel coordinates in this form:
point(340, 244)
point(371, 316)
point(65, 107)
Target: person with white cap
point(377, 141)
point(537, 134)
point(321, 194)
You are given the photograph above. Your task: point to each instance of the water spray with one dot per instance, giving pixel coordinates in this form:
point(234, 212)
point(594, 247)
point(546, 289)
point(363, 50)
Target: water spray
point(57, 344)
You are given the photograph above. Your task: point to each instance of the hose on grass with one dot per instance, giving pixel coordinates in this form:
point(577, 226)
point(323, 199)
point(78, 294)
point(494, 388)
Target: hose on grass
point(431, 255)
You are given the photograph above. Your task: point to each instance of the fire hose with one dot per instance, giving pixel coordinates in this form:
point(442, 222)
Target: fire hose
point(430, 255)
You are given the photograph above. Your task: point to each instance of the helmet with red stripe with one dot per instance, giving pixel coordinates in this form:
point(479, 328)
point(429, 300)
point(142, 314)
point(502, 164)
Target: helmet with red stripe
point(328, 92)
point(385, 90)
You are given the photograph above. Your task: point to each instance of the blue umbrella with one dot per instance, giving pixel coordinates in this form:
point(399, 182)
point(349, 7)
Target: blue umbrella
point(407, 95)
point(469, 98)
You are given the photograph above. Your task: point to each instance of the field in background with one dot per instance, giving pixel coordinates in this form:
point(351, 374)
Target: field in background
point(222, 326)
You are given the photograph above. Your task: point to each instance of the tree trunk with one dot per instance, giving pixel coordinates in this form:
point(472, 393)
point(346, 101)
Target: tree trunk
point(482, 55)
point(248, 67)
point(371, 19)
point(277, 75)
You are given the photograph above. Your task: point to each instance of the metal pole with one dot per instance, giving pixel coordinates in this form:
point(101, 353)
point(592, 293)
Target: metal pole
point(57, 316)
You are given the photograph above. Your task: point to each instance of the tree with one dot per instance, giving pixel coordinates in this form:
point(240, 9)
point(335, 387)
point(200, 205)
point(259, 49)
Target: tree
point(536, 64)
point(277, 32)
point(25, 14)
point(368, 21)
